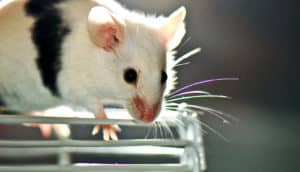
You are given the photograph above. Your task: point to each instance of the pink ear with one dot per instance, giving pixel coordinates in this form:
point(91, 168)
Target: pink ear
point(105, 29)
point(173, 29)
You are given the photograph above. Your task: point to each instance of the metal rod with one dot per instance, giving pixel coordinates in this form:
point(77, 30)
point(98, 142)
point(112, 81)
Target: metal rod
point(63, 157)
point(21, 119)
point(64, 148)
point(81, 143)
point(128, 151)
point(97, 168)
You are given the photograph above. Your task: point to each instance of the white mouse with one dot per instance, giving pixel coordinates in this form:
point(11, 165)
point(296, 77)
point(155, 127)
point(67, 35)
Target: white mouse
point(83, 52)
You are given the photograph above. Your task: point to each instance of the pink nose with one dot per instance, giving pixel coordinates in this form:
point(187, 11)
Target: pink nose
point(147, 113)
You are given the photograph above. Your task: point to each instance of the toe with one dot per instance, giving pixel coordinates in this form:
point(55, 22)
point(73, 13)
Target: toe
point(45, 130)
point(96, 130)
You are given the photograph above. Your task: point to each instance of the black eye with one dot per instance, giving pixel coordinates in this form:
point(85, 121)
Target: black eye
point(164, 77)
point(130, 76)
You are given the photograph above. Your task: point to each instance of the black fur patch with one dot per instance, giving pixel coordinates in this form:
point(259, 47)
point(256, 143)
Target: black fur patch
point(39, 7)
point(48, 34)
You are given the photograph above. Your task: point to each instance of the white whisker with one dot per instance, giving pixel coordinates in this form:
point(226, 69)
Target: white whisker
point(213, 130)
point(155, 131)
point(160, 131)
point(187, 55)
point(149, 130)
point(184, 43)
point(214, 112)
point(182, 64)
point(167, 127)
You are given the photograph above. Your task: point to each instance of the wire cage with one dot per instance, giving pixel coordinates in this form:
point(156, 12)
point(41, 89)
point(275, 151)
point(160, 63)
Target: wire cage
point(181, 151)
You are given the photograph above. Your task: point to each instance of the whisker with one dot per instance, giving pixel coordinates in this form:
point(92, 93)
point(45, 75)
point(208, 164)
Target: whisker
point(155, 131)
point(214, 131)
point(168, 128)
point(187, 55)
point(184, 43)
point(199, 96)
point(165, 124)
point(182, 64)
point(172, 109)
point(149, 130)
point(224, 120)
point(218, 115)
point(203, 82)
point(171, 104)
point(189, 93)
point(179, 122)
point(164, 134)
point(175, 109)
point(160, 131)
point(221, 115)
point(217, 112)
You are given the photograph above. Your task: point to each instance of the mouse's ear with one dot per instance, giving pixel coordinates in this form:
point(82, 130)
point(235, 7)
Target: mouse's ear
point(105, 29)
point(173, 29)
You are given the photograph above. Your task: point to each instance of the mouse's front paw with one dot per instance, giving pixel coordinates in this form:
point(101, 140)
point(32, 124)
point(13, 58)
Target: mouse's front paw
point(61, 130)
point(108, 131)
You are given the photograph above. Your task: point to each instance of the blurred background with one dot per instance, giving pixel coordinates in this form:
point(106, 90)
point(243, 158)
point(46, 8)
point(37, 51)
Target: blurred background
point(256, 42)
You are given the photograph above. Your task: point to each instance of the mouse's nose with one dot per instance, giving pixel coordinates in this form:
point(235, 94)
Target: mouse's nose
point(147, 113)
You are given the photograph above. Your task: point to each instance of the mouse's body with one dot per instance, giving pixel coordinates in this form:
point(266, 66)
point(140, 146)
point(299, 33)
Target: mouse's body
point(82, 52)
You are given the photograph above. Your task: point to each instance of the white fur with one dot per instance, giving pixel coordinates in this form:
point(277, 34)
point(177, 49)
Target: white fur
point(89, 74)
point(18, 71)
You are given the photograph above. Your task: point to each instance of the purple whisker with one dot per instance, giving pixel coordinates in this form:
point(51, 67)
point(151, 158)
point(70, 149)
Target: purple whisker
point(188, 93)
point(202, 82)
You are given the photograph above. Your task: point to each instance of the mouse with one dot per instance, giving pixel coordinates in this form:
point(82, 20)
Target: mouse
point(82, 53)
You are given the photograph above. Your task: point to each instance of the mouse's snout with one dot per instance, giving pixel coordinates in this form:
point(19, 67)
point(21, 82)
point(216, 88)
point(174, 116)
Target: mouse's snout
point(145, 112)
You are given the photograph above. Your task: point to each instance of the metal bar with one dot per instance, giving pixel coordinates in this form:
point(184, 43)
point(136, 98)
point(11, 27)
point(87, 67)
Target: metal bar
point(21, 119)
point(191, 130)
point(64, 157)
point(64, 148)
point(97, 168)
point(128, 151)
point(81, 143)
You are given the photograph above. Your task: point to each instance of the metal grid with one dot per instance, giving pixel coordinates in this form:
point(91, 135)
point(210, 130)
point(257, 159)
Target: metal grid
point(187, 148)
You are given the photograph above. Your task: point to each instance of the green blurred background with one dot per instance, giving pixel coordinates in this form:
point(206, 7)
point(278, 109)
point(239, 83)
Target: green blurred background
point(255, 41)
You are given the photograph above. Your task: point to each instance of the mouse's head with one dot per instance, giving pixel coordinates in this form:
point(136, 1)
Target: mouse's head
point(140, 44)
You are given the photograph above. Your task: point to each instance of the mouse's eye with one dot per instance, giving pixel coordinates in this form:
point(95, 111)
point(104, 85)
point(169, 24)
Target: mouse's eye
point(164, 77)
point(130, 76)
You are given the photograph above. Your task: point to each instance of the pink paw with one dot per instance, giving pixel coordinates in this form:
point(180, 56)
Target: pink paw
point(61, 130)
point(109, 131)
point(46, 129)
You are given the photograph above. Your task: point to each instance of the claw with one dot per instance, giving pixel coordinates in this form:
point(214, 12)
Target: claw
point(109, 131)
